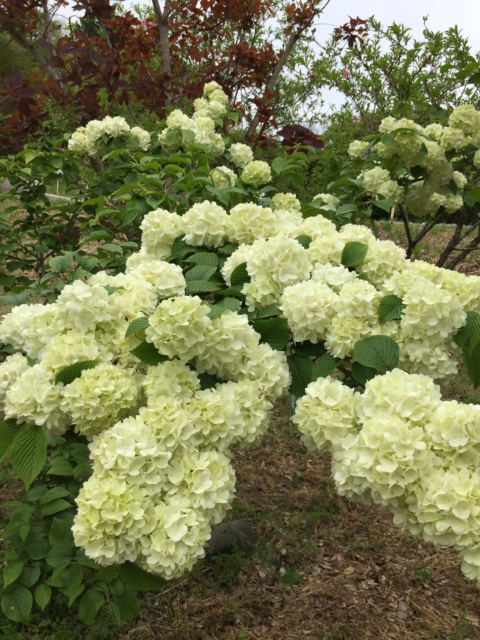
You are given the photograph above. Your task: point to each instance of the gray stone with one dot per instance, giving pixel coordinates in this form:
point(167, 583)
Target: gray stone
point(230, 537)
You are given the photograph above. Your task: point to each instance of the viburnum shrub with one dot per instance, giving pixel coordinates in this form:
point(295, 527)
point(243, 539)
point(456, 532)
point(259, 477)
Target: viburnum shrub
point(430, 174)
point(235, 293)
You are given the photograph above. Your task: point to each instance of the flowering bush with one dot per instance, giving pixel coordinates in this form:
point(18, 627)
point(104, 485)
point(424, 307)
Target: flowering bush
point(398, 444)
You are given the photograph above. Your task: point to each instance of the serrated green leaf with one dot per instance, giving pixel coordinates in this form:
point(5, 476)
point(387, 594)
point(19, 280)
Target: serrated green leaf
point(127, 603)
point(36, 493)
point(269, 311)
point(17, 603)
point(43, 593)
point(227, 304)
point(324, 366)
point(305, 241)
point(23, 531)
point(137, 325)
point(11, 572)
point(147, 353)
point(114, 612)
point(68, 374)
point(139, 579)
point(388, 139)
point(29, 575)
point(74, 593)
point(310, 349)
point(60, 467)
point(28, 455)
point(469, 336)
point(89, 606)
point(71, 576)
point(472, 364)
point(38, 550)
point(60, 533)
point(200, 286)
point(200, 272)
point(391, 308)
point(60, 264)
point(205, 258)
point(301, 372)
point(362, 374)
point(378, 352)
point(274, 332)
point(207, 380)
point(353, 253)
point(228, 249)
point(55, 506)
point(54, 494)
point(239, 275)
point(9, 430)
point(59, 553)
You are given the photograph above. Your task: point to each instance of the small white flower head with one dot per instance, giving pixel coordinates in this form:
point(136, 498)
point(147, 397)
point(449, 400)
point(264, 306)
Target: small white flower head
point(257, 173)
point(240, 154)
point(223, 177)
point(205, 223)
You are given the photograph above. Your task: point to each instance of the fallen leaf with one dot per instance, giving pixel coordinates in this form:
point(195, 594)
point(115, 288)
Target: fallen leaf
point(349, 570)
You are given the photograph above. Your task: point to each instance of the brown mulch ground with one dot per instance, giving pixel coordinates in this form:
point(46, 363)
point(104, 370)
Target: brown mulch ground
point(324, 568)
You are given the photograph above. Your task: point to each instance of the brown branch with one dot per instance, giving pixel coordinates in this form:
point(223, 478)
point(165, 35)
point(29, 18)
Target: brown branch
point(406, 224)
point(461, 256)
point(270, 86)
point(453, 242)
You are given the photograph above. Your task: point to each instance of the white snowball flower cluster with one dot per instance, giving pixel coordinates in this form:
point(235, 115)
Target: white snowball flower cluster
point(400, 445)
point(160, 433)
point(241, 154)
point(223, 177)
point(89, 139)
point(182, 131)
point(257, 173)
point(429, 149)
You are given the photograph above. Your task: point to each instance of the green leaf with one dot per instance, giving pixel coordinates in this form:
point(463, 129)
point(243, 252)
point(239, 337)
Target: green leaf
point(60, 533)
point(378, 352)
point(324, 366)
point(55, 506)
point(60, 467)
point(137, 325)
point(362, 374)
point(274, 332)
point(9, 430)
point(28, 455)
point(23, 531)
point(226, 304)
point(472, 364)
point(59, 553)
point(207, 380)
point(68, 374)
point(391, 308)
point(200, 272)
point(114, 612)
point(139, 579)
point(11, 572)
point(207, 259)
point(71, 576)
point(43, 593)
point(200, 286)
point(353, 253)
point(309, 349)
point(386, 204)
point(73, 593)
point(269, 311)
point(388, 139)
point(60, 264)
point(474, 79)
point(469, 335)
point(89, 606)
point(36, 493)
point(38, 550)
point(54, 494)
point(239, 275)
point(30, 575)
point(279, 164)
point(127, 603)
point(148, 354)
point(301, 371)
point(228, 249)
point(305, 241)
point(17, 603)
